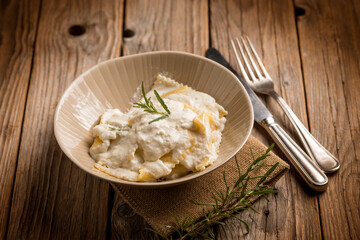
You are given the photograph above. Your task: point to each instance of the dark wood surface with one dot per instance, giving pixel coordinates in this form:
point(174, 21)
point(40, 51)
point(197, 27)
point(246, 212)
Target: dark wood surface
point(311, 49)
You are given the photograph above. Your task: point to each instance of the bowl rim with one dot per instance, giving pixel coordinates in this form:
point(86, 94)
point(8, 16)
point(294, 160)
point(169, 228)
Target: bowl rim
point(155, 184)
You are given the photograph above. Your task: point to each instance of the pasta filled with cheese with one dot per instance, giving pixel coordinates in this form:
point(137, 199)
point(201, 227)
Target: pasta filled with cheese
point(141, 145)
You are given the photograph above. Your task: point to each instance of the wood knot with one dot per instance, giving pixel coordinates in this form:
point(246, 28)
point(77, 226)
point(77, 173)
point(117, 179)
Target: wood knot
point(299, 11)
point(77, 30)
point(125, 211)
point(128, 33)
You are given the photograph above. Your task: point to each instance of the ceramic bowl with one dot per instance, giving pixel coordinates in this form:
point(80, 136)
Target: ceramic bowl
point(112, 84)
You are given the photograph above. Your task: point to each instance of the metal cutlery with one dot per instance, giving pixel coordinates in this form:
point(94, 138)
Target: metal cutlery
point(309, 171)
point(260, 81)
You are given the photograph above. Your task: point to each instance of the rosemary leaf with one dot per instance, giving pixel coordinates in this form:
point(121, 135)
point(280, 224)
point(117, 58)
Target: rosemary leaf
point(161, 101)
point(117, 129)
point(149, 107)
point(215, 199)
point(159, 118)
point(245, 223)
point(197, 203)
point(143, 93)
point(267, 174)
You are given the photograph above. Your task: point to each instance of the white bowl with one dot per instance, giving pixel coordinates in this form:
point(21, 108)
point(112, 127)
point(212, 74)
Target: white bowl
point(111, 84)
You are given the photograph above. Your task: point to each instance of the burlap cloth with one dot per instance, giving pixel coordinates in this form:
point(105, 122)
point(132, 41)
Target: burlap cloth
point(156, 205)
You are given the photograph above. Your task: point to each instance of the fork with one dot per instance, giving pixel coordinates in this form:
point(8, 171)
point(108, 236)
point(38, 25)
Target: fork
point(260, 81)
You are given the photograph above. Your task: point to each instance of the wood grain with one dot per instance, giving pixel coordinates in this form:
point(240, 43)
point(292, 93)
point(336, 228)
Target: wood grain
point(313, 59)
point(158, 25)
point(53, 198)
point(18, 24)
point(167, 25)
point(271, 26)
point(126, 224)
point(330, 50)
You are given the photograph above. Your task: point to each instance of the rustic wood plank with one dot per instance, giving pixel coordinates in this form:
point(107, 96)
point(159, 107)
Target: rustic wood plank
point(126, 224)
point(159, 25)
point(167, 25)
point(18, 24)
point(293, 212)
point(52, 197)
point(330, 50)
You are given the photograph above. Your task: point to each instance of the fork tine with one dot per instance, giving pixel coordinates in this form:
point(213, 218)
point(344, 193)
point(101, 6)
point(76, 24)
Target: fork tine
point(258, 73)
point(240, 63)
point(246, 61)
point(257, 58)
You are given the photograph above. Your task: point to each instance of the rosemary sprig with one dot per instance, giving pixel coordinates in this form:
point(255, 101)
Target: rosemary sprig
point(117, 129)
point(225, 204)
point(149, 107)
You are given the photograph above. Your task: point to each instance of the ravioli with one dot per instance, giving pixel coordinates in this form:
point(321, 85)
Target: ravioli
point(128, 146)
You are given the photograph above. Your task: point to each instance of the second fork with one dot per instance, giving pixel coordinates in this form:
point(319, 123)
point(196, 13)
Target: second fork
point(260, 81)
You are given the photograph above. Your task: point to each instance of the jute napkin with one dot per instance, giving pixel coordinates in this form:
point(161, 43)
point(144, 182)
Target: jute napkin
point(158, 205)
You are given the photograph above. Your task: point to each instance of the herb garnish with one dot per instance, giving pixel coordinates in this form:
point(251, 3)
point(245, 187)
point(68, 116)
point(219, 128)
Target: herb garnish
point(117, 129)
point(149, 107)
point(225, 204)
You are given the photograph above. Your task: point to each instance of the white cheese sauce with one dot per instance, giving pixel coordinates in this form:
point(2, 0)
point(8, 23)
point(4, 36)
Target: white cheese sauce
point(127, 146)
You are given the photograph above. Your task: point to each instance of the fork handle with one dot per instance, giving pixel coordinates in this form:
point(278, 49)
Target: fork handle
point(309, 171)
point(326, 161)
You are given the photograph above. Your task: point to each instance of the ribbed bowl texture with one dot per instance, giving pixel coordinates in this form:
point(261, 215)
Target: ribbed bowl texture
point(112, 84)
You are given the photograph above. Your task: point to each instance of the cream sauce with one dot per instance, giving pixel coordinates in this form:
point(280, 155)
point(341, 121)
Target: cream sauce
point(128, 147)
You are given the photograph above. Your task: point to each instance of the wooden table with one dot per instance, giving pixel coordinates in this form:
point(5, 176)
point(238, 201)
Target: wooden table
point(311, 48)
